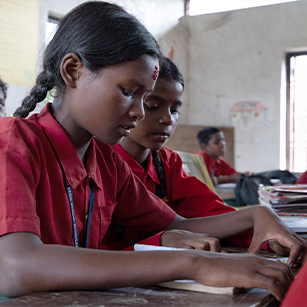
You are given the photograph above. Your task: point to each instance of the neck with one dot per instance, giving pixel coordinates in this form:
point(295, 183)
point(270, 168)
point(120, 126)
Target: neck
point(80, 138)
point(82, 151)
point(135, 150)
point(215, 157)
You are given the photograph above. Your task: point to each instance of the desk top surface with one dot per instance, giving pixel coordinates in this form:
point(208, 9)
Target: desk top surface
point(147, 296)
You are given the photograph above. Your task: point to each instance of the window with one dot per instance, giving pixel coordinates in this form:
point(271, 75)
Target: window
point(51, 27)
point(296, 112)
point(198, 7)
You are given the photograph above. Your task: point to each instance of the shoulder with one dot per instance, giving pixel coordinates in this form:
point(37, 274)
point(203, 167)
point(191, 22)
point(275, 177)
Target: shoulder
point(168, 155)
point(20, 128)
point(203, 154)
point(223, 162)
point(207, 158)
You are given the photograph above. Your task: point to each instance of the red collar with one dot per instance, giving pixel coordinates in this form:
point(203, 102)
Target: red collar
point(136, 167)
point(66, 152)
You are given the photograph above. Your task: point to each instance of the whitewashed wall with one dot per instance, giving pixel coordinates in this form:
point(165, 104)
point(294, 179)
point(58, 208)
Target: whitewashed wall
point(238, 56)
point(159, 16)
point(225, 58)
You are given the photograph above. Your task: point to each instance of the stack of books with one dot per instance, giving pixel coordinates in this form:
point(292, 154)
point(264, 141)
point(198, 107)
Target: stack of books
point(285, 198)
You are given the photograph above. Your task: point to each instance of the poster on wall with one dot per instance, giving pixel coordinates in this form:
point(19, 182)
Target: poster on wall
point(248, 111)
point(19, 24)
point(256, 120)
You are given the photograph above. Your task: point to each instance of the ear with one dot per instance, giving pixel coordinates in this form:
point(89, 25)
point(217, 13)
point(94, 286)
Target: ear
point(70, 69)
point(203, 146)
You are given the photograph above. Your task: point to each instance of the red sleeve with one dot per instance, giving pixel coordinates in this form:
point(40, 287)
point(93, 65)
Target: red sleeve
point(154, 240)
point(226, 169)
point(187, 195)
point(296, 295)
point(190, 197)
point(137, 207)
point(302, 179)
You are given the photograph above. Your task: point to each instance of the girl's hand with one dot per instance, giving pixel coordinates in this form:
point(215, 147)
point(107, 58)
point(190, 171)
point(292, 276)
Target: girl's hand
point(190, 240)
point(244, 271)
point(269, 227)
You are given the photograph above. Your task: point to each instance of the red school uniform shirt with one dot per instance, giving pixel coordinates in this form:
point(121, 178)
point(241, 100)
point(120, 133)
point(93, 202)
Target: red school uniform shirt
point(185, 194)
point(32, 193)
point(302, 179)
point(296, 294)
point(216, 168)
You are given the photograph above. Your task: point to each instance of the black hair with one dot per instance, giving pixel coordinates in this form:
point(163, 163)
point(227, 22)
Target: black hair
point(170, 71)
point(101, 34)
point(3, 87)
point(205, 135)
point(160, 188)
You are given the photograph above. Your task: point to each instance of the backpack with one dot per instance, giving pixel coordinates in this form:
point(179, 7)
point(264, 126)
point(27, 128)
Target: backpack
point(246, 191)
point(285, 176)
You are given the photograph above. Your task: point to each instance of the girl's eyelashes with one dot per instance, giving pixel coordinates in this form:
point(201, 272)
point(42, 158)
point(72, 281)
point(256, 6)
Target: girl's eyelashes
point(127, 93)
point(151, 107)
point(155, 107)
point(175, 111)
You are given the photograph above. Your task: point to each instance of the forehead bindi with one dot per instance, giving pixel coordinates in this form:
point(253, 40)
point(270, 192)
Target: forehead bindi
point(155, 73)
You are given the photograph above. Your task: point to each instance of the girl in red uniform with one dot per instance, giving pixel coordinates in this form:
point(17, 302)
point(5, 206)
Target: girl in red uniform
point(61, 184)
point(160, 168)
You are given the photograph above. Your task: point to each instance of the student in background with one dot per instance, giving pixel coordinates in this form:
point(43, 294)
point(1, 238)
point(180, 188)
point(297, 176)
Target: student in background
point(3, 94)
point(213, 145)
point(61, 184)
point(160, 168)
point(302, 179)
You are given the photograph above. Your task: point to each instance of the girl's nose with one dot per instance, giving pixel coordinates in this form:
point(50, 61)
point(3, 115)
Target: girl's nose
point(137, 110)
point(166, 119)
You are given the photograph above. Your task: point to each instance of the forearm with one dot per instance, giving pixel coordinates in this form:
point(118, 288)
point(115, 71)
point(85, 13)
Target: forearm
point(221, 226)
point(234, 177)
point(225, 179)
point(54, 267)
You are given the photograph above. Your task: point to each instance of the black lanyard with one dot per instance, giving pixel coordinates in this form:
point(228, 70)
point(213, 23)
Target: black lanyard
point(69, 193)
point(73, 216)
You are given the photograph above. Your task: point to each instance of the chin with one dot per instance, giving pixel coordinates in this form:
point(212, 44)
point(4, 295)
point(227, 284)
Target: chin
point(116, 142)
point(111, 142)
point(155, 148)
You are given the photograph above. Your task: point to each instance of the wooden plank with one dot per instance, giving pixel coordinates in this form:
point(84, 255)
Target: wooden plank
point(185, 139)
point(149, 296)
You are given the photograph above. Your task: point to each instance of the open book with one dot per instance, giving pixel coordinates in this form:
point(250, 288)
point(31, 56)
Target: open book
point(190, 285)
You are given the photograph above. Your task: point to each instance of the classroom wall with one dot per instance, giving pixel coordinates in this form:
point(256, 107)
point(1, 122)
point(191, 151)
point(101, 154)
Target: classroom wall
point(226, 58)
point(159, 16)
point(237, 57)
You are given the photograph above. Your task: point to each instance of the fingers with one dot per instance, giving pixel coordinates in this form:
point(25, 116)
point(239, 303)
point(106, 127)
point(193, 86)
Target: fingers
point(295, 253)
point(190, 240)
point(254, 246)
point(206, 243)
point(277, 280)
point(295, 245)
point(278, 248)
point(273, 276)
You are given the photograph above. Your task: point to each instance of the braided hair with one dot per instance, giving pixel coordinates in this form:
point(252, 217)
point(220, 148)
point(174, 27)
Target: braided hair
point(3, 87)
point(101, 34)
point(160, 189)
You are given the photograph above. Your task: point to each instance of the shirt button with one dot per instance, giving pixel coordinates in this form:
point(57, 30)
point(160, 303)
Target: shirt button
point(86, 217)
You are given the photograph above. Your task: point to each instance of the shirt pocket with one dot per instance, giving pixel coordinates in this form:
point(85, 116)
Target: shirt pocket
point(106, 214)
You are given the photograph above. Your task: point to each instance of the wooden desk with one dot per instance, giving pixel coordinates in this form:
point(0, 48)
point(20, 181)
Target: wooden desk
point(148, 296)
